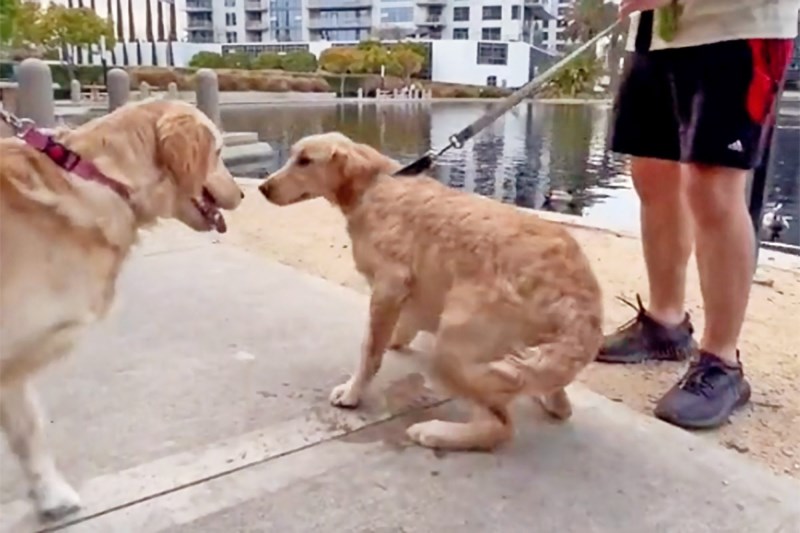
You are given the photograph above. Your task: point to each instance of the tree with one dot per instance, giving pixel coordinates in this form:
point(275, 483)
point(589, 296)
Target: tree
point(340, 60)
point(300, 61)
point(148, 21)
point(408, 61)
point(9, 11)
point(148, 32)
point(578, 77)
point(131, 23)
point(207, 60)
point(20, 24)
point(586, 19)
point(67, 28)
point(160, 20)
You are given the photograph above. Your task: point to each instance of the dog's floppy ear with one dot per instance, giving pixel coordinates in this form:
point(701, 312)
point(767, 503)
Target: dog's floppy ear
point(360, 161)
point(184, 149)
point(358, 165)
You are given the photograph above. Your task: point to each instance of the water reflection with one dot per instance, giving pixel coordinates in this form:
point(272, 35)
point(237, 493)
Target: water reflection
point(525, 154)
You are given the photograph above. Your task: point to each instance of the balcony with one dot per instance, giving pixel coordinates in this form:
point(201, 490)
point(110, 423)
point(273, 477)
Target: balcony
point(535, 10)
point(256, 24)
point(340, 24)
point(432, 21)
point(198, 5)
point(338, 5)
point(256, 5)
point(199, 24)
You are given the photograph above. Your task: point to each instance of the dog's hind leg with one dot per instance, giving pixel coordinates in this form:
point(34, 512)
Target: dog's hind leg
point(388, 295)
point(21, 419)
point(487, 429)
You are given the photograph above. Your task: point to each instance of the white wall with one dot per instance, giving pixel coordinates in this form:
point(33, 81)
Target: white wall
point(456, 62)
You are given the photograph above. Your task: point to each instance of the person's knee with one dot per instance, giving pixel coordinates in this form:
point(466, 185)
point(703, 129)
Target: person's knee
point(657, 182)
point(715, 194)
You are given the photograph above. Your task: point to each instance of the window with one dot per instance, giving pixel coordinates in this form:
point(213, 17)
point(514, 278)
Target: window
point(397, 14)
point(230, 36)
point(230, 3)
point(460, 14)
point(490, 34)
point(230, 19)
point(460, 33)
point(492, 54)
point(491, 81)
point(515, 12)
point(492, 12)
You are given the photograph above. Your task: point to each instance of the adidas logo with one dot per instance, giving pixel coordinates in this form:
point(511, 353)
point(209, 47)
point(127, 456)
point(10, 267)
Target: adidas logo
point(736, 146)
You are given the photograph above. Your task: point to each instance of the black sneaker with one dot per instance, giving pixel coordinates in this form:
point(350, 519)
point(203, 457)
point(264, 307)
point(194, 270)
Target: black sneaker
point(707, 394)
point(645, 339)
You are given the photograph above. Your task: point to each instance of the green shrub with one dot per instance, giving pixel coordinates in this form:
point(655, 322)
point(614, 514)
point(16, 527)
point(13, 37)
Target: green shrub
point(238, 60)
point(299, 61)
point(207, 60)
point(267, 61)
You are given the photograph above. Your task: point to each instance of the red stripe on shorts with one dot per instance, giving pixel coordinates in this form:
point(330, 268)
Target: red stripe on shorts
point(770, 61)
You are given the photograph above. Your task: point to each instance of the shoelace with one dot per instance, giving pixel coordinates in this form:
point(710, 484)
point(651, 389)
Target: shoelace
point(698, 378)
point(638, 307)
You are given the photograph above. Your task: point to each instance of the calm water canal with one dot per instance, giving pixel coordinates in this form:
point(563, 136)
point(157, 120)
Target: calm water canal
point(531, 150)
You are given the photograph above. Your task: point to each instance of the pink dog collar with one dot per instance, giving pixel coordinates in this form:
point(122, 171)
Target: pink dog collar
point(70, 161)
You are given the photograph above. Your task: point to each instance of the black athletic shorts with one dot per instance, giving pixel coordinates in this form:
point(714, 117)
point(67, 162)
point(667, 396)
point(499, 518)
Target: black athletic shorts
point(711, 104)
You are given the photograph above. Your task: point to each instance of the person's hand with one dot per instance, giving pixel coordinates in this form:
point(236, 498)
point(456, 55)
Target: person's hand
point(626, 7)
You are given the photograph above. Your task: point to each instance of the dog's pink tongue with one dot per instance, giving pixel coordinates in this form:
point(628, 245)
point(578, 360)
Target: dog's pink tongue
point(219, 222)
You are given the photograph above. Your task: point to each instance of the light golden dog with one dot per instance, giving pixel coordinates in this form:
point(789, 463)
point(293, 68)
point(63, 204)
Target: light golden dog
point(63, 240)
point(512, 300)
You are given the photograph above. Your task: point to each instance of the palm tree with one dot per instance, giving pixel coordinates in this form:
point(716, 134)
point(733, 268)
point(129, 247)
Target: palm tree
point(173, 32)
point(149, 31)
point(131, 23)
point(79, 49)
point(93, 7)
point(160, 21)
point(110, 9)
point(586, 19)
point(121, 33)
point(132, 37)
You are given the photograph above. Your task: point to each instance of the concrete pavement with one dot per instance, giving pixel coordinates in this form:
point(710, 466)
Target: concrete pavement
point(201, 406)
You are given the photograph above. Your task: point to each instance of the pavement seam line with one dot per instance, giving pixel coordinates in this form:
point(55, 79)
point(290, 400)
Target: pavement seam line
point(224, 473)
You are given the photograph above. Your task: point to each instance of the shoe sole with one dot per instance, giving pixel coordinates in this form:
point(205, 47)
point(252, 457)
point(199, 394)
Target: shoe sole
point(715, 421)
point(637, 359)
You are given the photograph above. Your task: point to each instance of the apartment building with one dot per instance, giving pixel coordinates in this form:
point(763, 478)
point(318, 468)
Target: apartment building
point(535, 22)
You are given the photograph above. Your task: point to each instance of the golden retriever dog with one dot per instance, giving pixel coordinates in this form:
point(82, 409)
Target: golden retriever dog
point(63, 240)
point(510, 298)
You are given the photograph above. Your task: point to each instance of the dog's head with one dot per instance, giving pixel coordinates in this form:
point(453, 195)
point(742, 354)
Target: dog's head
point(329, 165)
point(188, 154)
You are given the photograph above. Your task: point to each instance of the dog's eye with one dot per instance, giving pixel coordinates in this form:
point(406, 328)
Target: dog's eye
point(303, 161)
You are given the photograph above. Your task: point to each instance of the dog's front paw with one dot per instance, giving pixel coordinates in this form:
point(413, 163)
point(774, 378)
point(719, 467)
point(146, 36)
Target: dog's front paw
point(430, 434)
point(55, 498)
point(345, 395)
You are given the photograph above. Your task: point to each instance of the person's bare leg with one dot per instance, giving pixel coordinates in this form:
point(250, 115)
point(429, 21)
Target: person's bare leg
point(725, 253)
point(666, 235)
